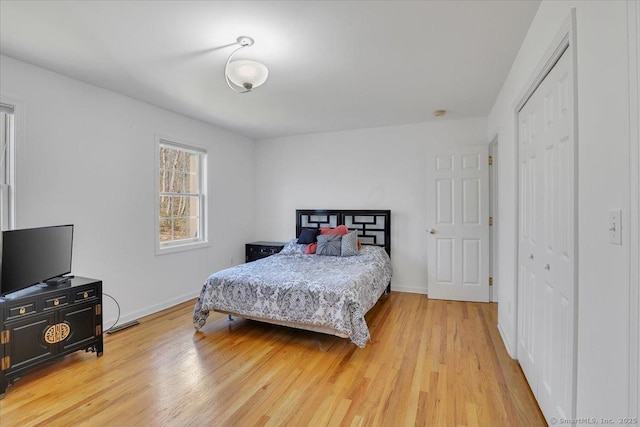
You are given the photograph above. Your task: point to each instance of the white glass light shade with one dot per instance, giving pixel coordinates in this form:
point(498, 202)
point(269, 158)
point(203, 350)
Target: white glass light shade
point(247, 74)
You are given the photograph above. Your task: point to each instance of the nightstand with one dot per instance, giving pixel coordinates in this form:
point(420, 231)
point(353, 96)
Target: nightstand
point(258, 250)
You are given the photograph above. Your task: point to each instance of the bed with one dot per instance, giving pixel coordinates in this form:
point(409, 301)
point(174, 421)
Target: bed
point(328, 294)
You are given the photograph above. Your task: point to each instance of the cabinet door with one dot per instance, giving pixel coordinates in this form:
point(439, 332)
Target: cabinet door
point(27, 345)
point(82, 324)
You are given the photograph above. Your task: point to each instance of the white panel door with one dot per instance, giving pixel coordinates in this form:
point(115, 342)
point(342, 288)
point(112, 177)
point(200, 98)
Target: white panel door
point(528, 265)
point(458, 249)
point(546, 255)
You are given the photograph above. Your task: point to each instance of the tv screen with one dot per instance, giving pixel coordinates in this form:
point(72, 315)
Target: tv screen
point(34, 255)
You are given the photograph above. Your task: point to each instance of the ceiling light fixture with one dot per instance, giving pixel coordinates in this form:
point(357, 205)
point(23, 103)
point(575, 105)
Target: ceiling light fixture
point(244, 75)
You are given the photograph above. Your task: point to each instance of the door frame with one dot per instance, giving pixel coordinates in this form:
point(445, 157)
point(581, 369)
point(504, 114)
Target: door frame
point(633, 18)
point(493, 213)
point(565, 40)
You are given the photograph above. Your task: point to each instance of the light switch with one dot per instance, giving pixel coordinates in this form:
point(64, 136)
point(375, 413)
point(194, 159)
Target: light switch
point(615, 226)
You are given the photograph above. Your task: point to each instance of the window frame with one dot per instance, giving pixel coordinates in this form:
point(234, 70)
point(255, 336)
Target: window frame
point(8, 181)
point(202, 241)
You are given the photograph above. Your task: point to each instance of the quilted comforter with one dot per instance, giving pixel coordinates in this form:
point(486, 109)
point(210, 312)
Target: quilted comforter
point(324, 291)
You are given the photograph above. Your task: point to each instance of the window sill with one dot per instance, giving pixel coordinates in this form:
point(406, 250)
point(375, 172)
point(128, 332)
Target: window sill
point(181, 247)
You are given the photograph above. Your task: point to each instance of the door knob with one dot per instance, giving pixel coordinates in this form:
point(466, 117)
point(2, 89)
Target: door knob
point(432, 231)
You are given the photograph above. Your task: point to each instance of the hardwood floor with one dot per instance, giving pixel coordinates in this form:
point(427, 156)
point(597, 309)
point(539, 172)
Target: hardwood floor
point(433, 363)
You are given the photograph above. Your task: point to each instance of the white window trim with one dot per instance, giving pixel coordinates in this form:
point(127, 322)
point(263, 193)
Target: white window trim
point(184, 245)
point(8, 193)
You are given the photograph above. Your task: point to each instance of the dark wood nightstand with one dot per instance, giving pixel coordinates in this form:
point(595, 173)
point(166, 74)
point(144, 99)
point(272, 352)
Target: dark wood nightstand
point(258, 250)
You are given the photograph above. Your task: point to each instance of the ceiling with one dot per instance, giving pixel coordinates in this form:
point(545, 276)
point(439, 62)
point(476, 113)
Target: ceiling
point(333, 65)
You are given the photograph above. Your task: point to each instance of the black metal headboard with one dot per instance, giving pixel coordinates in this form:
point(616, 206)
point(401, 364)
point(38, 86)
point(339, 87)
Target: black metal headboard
point(373, 226)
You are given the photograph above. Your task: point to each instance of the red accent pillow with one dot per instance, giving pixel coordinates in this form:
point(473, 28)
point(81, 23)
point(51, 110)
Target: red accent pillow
point(310, 248)
point(341, 230)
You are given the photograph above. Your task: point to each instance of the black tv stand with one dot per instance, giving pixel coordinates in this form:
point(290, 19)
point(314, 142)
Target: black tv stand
point(43, 323)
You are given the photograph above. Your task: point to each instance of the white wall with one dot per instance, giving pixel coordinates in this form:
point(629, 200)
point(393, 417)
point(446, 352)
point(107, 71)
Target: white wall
point(381, 168)
point(603, 184)
point(87, 158)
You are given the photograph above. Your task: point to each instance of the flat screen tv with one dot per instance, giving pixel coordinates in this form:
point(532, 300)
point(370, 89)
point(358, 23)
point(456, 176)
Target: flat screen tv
point(34, 255)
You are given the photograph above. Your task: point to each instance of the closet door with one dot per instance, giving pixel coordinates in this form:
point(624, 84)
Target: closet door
point(529, 299)
point(546, 257)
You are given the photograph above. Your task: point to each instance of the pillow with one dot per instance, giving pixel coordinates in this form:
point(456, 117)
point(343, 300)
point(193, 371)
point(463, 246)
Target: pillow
point(310, 249)
point(329, 244)
point(293, 248)
point(340, 230)
point(307, 235)
point(349, 244)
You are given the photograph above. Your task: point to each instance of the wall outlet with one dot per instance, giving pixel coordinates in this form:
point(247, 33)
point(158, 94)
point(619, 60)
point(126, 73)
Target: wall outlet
point(231, 262)
point(615, 226)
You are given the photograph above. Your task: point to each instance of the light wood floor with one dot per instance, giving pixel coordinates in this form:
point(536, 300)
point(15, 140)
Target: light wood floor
point(434, 363)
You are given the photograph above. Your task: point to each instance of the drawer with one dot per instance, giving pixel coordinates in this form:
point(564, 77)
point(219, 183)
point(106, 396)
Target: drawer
point(15, 311)
point(264, 250)
point(86, 294)
point(257, 250)
point(56, 302)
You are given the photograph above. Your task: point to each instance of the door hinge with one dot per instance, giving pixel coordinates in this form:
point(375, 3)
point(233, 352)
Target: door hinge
point(98, 309)
point(490, 160)
point(5, 363)
point(490, 281)
point(490, 221)
point(5, 336)
point(98, 330)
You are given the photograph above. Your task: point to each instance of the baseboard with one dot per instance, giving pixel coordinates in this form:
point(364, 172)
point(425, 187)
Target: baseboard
point(506, 342)
point(151, 310)
point(409, 289)
point(122, 326)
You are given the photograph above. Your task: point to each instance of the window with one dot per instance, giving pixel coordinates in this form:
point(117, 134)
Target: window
point(181, 197)
point(7, 138)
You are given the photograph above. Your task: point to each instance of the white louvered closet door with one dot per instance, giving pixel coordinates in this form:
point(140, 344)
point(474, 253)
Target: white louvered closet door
point(546, 249)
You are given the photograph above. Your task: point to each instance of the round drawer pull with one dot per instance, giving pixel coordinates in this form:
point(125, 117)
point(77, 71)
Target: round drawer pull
point(56, 302)
point(86, 295)
point(22, 310)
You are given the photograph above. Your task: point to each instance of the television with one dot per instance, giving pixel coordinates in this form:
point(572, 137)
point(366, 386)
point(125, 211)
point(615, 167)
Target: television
point(34, 255)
